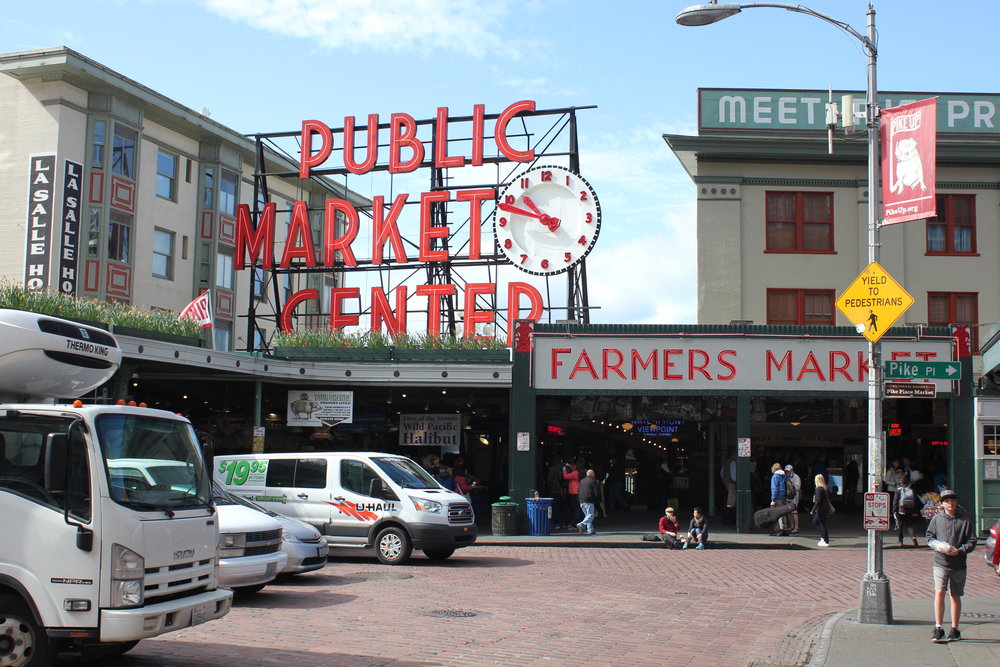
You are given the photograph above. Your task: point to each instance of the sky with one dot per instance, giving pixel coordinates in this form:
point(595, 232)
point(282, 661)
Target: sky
point(266, 65)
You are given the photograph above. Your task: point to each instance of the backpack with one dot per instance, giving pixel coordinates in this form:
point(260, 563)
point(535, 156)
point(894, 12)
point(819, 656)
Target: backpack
point(907, 499)
point(789, 488)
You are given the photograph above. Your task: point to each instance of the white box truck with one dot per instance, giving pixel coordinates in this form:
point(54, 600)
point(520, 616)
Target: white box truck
point(92, 561)
point(356, 499)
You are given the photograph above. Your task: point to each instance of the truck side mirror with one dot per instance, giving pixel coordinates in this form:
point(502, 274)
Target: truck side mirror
point(56, 452)
point(377, 488)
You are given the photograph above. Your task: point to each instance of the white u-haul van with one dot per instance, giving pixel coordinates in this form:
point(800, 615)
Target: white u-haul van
point(356, 499)
point(91, 561)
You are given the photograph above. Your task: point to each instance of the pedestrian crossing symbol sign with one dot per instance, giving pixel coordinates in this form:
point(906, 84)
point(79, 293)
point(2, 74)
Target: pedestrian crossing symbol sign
point(874, 302)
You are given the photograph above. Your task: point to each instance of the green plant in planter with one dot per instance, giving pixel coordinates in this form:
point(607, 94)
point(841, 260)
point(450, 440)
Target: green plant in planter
point(74, 308)
point(378, 339)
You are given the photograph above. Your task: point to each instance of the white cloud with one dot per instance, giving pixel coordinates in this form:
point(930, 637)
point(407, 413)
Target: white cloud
point(462, 26)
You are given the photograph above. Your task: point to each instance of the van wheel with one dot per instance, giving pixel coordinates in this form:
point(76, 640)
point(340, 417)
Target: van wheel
point(439, 554)
point(23, 643)
point(393, 546)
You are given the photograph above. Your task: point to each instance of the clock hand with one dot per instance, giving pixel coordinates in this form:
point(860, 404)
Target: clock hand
point(520, 211)
point(531, 204)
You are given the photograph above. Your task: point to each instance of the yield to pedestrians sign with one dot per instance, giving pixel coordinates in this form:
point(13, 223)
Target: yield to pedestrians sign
point(874, 302)
point(876, 511)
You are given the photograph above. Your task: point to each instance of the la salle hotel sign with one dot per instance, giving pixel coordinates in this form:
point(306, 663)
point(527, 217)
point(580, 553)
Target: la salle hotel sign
point(402, 151)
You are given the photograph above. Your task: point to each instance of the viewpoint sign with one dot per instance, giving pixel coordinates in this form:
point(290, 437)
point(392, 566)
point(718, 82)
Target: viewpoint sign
point(744, 109)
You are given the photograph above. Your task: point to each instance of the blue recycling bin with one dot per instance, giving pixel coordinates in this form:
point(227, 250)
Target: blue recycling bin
point(539, 516)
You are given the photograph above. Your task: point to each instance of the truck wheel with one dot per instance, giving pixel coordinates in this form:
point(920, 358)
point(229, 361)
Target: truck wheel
point(23, 643)
point(393, 546)
point(439, 554)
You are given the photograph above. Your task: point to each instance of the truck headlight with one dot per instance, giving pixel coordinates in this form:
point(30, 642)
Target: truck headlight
point(232, 545)
point(128, 572)
point(423, 505)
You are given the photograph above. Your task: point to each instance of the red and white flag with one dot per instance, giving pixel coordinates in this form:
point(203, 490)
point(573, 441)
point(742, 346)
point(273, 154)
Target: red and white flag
point(909, 154)
point(199, 310)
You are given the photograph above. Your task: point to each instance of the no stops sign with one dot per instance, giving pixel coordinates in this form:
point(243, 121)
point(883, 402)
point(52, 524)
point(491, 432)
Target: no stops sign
point(877, 510)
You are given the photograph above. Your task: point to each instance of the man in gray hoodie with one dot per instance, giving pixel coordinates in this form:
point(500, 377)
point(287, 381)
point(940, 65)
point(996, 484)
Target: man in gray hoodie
point(950, 535)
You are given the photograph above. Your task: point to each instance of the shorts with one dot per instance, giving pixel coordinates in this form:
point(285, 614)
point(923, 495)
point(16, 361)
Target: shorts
point(956, 579)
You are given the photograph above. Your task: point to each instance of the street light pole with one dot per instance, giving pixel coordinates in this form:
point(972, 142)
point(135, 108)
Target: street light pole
point(876, 598)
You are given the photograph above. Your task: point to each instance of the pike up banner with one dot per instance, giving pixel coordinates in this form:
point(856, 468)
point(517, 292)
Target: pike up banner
point(909, 136)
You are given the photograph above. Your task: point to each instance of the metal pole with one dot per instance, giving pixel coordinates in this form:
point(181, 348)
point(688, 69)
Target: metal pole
point(876, 597)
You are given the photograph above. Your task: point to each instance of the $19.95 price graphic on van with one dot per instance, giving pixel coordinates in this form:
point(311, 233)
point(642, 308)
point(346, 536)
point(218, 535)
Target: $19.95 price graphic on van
point(243, 472)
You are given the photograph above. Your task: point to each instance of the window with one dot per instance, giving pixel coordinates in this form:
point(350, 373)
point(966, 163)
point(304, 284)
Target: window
point(800, 306)
point(163, 254)
point(224, 269)
point(953, 230)
point(120, 229)
point(123, 152)
point(946, 308)
point(991, 439)
point(304, 473)
point(221, 335)
point(258, 280)
point(209, 192)
point(227, 193)
point(799, 221)
point(94, 233)
point(166, 176)
point(357, 476)
point(100, 138)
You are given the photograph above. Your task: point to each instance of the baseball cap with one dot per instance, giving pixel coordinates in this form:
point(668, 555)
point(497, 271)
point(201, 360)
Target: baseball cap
point(948, 493)
point(788, 467)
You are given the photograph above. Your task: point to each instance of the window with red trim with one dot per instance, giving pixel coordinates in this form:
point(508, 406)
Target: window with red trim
point(799, 221)
point(947, 308)
point(800, 306)
point(953, 230)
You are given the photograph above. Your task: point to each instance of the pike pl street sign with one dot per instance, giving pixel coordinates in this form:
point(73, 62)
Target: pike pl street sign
point(922, 370)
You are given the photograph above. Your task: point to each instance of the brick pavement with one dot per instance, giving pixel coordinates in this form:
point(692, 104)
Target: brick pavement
point(495, 605)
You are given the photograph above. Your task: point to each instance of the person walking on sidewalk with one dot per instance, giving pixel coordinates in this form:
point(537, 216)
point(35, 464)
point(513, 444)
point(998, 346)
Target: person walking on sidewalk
point(950, 535)
point(590, 496)
point(572, 477)
point(822, 507)
point(904, 501)
point(793, 493)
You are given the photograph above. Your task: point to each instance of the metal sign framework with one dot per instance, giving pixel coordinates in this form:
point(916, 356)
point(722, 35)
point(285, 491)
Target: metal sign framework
point(550, 133)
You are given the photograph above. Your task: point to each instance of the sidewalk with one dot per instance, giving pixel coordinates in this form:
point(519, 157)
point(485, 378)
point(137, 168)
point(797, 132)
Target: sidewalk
point(907, 642)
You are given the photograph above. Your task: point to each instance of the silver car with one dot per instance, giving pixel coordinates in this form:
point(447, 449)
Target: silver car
point(305, 547)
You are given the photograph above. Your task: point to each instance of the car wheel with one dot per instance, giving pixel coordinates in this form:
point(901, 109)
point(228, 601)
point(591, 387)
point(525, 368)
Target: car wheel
point(439, 554)
point(23, 643)
point(393, 546)
point(248, 590)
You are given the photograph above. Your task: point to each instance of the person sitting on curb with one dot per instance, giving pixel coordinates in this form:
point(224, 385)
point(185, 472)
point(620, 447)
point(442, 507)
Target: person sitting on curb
point(697, 530)
point(670, 528)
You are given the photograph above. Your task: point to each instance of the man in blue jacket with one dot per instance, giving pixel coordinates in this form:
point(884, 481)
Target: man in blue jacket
point(952, 538)
point(778, 497)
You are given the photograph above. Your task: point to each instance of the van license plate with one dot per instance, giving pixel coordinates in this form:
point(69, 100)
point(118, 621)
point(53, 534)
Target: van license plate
point(201, 613)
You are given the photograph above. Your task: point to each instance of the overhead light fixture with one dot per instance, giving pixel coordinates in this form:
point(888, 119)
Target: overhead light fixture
point(484, 440)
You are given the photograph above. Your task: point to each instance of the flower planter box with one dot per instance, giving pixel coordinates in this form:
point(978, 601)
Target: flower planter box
point(390, 354)
point(161, 336)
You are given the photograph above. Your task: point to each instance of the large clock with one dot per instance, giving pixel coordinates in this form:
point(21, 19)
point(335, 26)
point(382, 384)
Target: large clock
point(548, 220)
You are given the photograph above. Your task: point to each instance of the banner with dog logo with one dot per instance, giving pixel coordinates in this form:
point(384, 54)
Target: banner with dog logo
point(909, 137)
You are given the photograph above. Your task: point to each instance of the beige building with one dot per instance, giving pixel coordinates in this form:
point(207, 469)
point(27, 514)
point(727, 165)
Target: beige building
point(782, 223)
point(111, 190)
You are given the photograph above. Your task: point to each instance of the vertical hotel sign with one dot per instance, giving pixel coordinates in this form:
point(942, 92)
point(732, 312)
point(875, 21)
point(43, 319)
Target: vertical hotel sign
point(69, 238)
point(909, 136)
point(41, 184)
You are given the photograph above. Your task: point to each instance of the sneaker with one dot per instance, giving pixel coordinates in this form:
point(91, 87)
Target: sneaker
point(938, 635)
point(822, 543)
point(580, 528)
point(685, 546)
point(700, 546)
point(954, 635)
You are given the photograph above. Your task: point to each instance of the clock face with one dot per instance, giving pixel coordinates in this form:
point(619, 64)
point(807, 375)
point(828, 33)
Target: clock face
point(547, 220)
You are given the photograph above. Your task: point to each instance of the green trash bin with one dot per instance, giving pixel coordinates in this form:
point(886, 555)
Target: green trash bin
point(504, 517)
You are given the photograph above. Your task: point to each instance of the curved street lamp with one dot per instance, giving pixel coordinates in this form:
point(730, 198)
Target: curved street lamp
point(876, 599)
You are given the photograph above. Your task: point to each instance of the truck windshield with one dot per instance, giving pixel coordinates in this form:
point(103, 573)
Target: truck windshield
point(406, 473)
point(153, 463)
